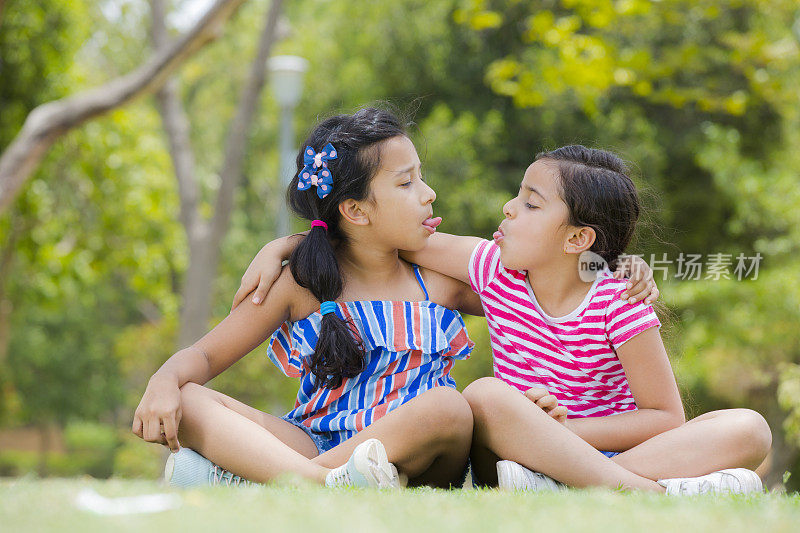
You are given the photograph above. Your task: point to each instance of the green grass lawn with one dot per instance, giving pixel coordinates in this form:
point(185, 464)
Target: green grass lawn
point(29, 504)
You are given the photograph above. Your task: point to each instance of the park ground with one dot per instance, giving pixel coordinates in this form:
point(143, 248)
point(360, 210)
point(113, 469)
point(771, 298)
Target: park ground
point(31, 504)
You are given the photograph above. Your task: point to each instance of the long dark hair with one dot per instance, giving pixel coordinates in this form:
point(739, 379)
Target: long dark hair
point(599, 194)
point(339, 353)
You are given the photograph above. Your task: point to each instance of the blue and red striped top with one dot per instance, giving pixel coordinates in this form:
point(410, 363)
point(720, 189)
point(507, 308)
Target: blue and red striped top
point(410, 348)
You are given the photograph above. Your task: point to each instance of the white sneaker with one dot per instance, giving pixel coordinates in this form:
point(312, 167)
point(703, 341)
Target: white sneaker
point(368, 466)
point(730, 481)
point(514, 476)
point(187, 468)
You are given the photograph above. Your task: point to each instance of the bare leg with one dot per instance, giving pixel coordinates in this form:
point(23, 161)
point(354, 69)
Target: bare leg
point(244, 440)
point(484, 465)
point(512, 427)
point(720, 439)
point(427, 439)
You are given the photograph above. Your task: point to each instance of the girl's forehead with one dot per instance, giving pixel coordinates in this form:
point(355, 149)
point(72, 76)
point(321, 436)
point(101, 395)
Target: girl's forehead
point(543, 175)
point(398, 154)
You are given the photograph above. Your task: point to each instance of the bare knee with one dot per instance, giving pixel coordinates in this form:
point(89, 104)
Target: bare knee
point(753, 431)
point(192, 394)
point(485, 395)
point(451, 416)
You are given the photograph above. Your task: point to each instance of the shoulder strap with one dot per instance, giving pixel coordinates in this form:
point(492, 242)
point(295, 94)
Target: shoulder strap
point(421, 283)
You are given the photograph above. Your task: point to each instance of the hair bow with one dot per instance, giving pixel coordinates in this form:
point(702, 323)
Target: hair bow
point(316, 172)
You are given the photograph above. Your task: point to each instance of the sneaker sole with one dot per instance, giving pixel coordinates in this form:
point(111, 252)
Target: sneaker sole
point(375, 466)
point(169, 468)
point(505, 475)
point(508, 479)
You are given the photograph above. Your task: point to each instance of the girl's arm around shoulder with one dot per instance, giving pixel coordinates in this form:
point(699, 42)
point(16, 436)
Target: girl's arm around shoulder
point(451, 293)
point(445, 253)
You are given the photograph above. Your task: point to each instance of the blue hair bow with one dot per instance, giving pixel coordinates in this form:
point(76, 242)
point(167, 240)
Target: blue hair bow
point(316, 172)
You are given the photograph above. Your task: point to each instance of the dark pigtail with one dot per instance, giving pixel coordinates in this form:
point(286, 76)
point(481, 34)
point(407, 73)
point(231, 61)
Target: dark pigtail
point(338, 353)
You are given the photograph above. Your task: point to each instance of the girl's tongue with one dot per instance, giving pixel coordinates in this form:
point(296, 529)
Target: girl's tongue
point(431, 223)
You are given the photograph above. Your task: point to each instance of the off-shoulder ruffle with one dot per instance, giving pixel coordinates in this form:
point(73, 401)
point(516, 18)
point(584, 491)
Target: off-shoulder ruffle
point(393, 326)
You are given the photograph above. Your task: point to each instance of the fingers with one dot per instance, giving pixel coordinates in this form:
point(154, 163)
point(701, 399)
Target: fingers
point(262, 290)
point(559, 413)
point(547, 403)
point(640, 290)
point(654, 294)
point(535, 393)
point(136, 428)
point(171, 433)
point(239, 296)
point(249, 282)
point(152, 430)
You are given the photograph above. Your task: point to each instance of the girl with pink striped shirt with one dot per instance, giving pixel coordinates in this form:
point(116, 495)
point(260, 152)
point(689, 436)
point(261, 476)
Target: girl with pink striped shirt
point(583, 391)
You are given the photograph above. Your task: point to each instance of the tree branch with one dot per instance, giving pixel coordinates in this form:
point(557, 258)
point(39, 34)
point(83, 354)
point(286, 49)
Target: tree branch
point(176, 126)
point(237, 136)
point(49, 121)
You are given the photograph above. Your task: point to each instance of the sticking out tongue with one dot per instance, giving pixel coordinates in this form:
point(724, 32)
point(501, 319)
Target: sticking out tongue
point(432, 222)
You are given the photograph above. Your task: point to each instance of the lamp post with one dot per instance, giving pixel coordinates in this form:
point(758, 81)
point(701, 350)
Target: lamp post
point(286, 79)
point(796, 28)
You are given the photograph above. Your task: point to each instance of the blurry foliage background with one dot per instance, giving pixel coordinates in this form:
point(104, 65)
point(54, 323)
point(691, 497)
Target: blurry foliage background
point(701, 96)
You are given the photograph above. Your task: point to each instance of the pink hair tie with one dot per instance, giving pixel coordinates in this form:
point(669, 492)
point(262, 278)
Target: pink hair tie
point(319, 223)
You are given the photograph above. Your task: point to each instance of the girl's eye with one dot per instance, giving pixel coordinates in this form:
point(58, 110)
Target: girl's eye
point(529, 206)
point(406, 184)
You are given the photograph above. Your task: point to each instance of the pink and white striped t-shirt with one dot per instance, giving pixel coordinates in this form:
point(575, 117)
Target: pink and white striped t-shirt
point(574, 356)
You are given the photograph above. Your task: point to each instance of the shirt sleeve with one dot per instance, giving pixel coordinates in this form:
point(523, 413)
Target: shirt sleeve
point(483, 265)
point(624, 321)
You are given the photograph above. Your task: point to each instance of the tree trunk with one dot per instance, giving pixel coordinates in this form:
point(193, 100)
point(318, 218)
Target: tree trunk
point(49, 121)
point(197, 293)
point(6, 260)
point(205, 238)
point(44, 447)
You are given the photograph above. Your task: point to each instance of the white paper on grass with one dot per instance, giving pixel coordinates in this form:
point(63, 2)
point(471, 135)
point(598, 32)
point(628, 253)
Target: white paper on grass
point(90, 500)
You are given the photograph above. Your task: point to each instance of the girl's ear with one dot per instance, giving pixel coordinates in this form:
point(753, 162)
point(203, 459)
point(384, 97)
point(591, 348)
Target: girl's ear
point(353, 212)
point(579, 240)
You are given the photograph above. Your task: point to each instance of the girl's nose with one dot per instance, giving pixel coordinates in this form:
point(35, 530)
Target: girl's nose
point(430, 194)
point(507, 209)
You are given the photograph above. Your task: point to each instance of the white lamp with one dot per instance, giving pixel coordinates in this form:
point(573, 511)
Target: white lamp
point(286, 77)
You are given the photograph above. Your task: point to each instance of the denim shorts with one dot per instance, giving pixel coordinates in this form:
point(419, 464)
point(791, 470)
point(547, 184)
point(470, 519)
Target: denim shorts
point(321, 441)
point(609, 454)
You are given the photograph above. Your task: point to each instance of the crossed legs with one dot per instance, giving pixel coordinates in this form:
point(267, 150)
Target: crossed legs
point(509, 426)
point(427, 438)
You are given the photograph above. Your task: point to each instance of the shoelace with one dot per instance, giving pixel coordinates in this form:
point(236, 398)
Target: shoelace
point(219, 475)
point(341, 477)
point(694, 486)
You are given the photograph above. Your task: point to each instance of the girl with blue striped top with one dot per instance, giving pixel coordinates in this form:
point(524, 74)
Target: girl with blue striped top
point(371, 337)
